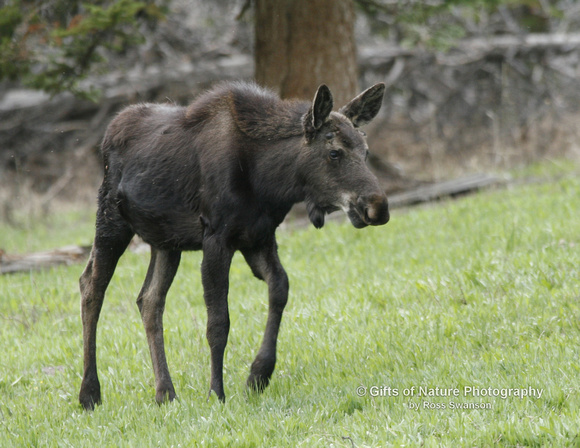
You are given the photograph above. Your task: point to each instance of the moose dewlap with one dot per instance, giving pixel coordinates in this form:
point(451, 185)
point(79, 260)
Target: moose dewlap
point(220, 176)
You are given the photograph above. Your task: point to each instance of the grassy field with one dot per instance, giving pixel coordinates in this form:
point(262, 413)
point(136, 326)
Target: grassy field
point(481, 292)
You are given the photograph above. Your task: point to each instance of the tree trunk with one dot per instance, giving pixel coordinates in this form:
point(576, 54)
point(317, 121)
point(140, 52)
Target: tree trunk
point(301, 44)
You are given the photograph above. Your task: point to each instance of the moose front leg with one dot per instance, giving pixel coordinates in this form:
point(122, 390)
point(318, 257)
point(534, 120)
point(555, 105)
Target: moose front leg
point(266, 266)
point(215, 269)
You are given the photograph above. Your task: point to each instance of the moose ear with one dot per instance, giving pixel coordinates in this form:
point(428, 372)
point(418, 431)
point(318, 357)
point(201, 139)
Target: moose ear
point(321, 106)
point(366, 106)
point(318, 112)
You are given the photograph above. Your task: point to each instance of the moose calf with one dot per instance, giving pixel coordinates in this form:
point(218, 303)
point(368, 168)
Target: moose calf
point(220, 176)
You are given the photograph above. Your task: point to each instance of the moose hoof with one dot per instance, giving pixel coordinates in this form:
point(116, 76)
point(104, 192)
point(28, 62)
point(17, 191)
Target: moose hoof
point(257, 383)
point(260, 373)
point(90, 393)
point(89, 403)
point(165, 396)
point(221, 397)
point(89, 399)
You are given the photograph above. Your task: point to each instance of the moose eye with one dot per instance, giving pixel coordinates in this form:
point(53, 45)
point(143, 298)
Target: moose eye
point(363, 133)
point(329, 135)
point(334, 154)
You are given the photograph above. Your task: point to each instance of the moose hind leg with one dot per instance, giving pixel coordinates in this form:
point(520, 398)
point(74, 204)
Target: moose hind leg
point(151, 303)
point(111, 240)
point(266, 265)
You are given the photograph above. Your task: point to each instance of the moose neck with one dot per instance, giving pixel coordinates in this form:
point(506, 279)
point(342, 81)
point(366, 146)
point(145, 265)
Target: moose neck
point(277, 183)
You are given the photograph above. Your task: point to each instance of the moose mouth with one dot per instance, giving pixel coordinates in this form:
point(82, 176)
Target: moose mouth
point(317, 214)
point(357, 219)
point(370, 211)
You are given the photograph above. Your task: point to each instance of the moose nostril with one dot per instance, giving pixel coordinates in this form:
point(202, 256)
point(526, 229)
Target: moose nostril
point(370, 214)
point(377, 211)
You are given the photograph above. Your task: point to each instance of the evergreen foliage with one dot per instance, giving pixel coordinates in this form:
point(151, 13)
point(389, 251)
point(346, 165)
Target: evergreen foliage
point(53, 45)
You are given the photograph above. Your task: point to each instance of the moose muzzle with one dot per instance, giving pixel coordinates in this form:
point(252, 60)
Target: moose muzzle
point(372, 210)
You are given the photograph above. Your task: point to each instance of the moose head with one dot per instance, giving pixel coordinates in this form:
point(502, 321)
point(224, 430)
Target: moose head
point(333, 160)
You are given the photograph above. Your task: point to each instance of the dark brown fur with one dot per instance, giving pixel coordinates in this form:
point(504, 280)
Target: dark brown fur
point(220, 176)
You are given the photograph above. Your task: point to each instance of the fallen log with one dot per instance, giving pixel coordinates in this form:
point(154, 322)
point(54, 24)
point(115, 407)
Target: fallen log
point(440, 190)
point(12, 263)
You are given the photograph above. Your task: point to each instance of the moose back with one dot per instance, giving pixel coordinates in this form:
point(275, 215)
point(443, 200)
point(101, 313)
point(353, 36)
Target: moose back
point(220, 176)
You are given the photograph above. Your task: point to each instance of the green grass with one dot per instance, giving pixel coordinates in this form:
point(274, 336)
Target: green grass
point(483, 291)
